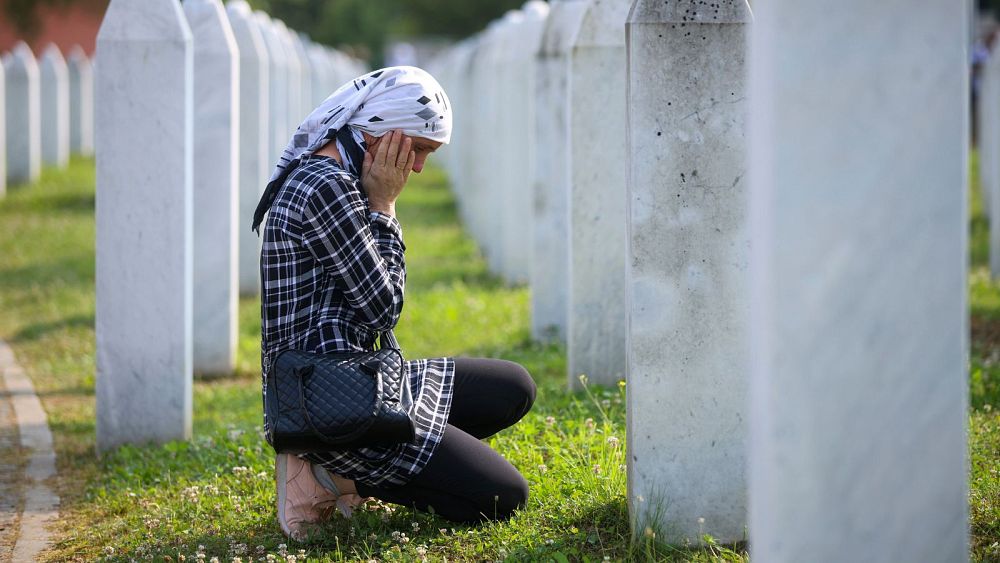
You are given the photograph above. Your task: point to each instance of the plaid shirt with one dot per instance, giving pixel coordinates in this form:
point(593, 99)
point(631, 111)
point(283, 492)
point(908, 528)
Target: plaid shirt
point(332, 274)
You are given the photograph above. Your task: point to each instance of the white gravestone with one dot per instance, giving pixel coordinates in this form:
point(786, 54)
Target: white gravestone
point(596, 340)
point(989, 153)
point(254, 158)
point(54, 89)
point(24, 126)
point(81, 102)
point(3, 134)
point(484, 187)
point(321, 75)
point(989, 130)
point(142, 82)
point(278, 93)
point(550, 259)
point(518, 121)
point(306, 89)
point(858, 413)
point(216, 186)
point(295, 71)
point(686, 269)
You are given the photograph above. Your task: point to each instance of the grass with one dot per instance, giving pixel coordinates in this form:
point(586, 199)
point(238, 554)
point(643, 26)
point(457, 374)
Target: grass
point(214, 495)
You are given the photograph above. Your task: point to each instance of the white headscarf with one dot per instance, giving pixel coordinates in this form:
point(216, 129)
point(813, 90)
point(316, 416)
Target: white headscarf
point(398, 97)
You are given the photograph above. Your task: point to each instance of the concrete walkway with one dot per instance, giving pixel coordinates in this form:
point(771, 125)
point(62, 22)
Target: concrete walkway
point(38, 504)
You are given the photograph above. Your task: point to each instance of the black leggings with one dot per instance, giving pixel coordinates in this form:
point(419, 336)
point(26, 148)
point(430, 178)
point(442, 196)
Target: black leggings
point(466, 480)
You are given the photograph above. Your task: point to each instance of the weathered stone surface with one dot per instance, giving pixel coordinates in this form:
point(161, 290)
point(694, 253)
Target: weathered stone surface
point(858, 195)
point(216, 186)
point(516, 165)
point(81, 102)
point(3, 134)
point(596, 343)
point(24, 126)
point(279, 130)
point(687, 286)
point(550, 257)
point(295, 80)
point(54, 89)
point(142, 81)
point(989, 153)
point(254, 137)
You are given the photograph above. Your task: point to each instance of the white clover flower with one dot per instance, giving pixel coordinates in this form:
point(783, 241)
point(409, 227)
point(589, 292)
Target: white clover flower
point(542, 468)
point(596, 469)
point(606, 403)
point(109, 550)
point(416, 526)
point(612, 441)
point(589, 423)
point(550, 420)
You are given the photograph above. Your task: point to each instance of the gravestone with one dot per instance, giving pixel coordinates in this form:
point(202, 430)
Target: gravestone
point(24, 126)
point(3, 134)
point(306, 89)
point(278, 129)
point(81, 102)
point(517, 121)
point(254, 158)
point(295, 73)
point(486, 177)
point(989, 153)
point(860, 337)
point(687, 288)
point(321, 82)
point(989, 135)
point(216, 186)
point(54, 89)
point(550, 259)
point(142, 82)
point(596, 342)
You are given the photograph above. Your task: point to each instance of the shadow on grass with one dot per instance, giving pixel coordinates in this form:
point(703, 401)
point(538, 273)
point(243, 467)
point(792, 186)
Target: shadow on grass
point(39, 330)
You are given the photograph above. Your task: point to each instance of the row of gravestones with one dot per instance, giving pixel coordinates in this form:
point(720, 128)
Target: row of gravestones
point(762, 227)
point(46, 111)
point(195, 102)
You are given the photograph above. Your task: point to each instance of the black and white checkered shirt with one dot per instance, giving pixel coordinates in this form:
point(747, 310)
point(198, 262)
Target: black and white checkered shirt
point(332, 274)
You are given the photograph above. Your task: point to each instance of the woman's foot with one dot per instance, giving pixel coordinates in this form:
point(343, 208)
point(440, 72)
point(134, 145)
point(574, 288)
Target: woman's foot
point(302, 500)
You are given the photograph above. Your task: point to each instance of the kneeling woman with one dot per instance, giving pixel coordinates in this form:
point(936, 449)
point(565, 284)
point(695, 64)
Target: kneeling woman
point(332, 270)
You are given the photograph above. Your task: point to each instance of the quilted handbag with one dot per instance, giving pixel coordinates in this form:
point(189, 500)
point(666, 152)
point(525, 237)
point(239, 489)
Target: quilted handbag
point(339, 401)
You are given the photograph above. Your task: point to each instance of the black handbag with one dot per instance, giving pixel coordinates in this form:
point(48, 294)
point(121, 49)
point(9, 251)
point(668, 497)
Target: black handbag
point(338, 401)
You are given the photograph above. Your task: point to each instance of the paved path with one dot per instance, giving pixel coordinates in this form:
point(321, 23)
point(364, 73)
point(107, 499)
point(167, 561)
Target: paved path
point(38, 503)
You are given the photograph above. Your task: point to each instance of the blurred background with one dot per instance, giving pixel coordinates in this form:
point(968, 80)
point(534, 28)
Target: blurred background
point(383, 32)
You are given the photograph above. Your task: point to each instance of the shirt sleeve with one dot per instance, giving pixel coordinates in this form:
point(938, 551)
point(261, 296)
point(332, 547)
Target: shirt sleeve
point(361, 250)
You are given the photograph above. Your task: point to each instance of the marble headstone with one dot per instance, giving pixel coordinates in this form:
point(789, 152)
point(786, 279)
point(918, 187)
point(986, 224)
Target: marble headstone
point(254, 137)
point(216, 186)
point(596, 342)
point(858, 448)
point(24, 126)
point(278, 128)
point(142, 81)
point(3, 134)
point(686, 269)
point(81, 102)
point(54, 89)
point(550, 259)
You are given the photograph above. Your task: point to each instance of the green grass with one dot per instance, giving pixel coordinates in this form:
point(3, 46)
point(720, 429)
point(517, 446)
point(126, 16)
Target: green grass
point(984, 385)
point(217, 491)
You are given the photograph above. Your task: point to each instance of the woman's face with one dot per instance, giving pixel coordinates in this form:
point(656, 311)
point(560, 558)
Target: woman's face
point(423, 147)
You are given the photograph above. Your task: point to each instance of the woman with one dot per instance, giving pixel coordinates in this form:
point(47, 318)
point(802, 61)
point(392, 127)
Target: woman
point(332, 270)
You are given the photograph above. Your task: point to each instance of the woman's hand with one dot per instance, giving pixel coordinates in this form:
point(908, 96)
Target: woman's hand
point(384, 175)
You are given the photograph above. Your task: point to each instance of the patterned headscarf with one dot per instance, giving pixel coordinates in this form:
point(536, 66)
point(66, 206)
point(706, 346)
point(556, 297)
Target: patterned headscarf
point(398, 97)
